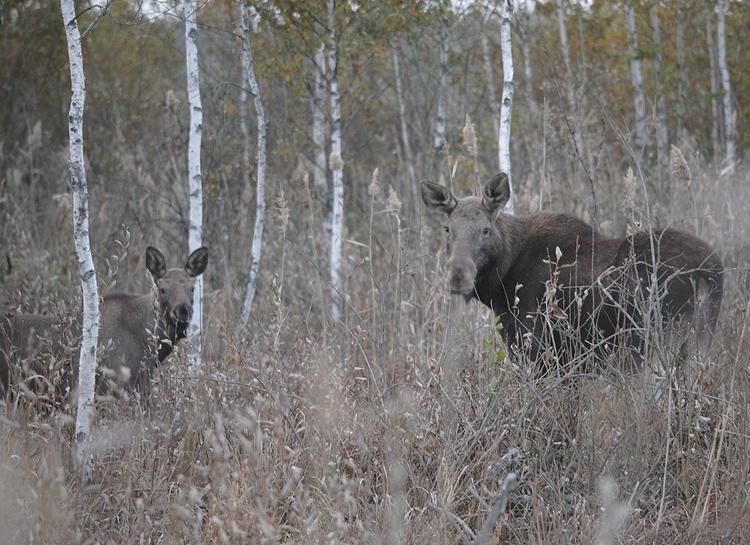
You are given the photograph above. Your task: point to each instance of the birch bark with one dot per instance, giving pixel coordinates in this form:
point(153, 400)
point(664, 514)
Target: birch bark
point(570, 91)
point(639, 100)
point(336, 163)
point(682, 74)
point(87, 361)
point(260, 202)
point(506, 15)
point(726, 82)
point(662, 128)
point(715, 110)
point(319, 131)
point(439, 139)
point(195, 230)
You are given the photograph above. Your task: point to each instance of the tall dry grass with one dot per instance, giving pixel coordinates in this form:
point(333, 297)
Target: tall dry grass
point(403, 422)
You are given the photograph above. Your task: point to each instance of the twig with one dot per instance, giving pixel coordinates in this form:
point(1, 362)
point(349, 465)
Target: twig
point(501, 503)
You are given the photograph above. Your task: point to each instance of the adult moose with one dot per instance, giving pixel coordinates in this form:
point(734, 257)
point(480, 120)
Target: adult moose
point(137, 331)
point(558, 286)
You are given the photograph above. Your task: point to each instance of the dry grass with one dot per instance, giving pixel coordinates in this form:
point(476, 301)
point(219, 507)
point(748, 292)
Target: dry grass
point(400, 424)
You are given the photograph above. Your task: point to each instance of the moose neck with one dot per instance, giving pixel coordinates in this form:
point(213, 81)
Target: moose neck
point(490, 285)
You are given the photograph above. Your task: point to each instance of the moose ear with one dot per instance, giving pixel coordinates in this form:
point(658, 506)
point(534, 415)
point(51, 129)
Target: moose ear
point(496, 192)
point(438, 196)
point(155, 262)
point(197, 262)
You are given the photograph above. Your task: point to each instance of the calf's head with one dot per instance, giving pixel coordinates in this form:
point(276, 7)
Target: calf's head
point(175, 286)
point(476, 242)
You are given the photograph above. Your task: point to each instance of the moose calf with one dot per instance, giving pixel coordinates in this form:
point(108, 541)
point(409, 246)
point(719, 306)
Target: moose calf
point(137, 332)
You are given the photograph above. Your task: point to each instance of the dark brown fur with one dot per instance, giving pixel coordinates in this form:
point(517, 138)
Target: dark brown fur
point(599, 285)
point(137, 332)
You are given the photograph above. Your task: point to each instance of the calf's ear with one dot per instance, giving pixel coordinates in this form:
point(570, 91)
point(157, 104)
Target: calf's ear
point(438, 196)
point(155, 262)
point(197, 262)
point(496, 192)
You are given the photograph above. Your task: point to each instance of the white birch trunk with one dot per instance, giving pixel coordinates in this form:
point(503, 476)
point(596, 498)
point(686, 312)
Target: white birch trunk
point(570, 91)
point(319, 118)
point(195, 230)
point(506, 15)
point(636, 75)
point(662, 128)
point(726, 83)
point(260, 203)
point(490, 84)
point(408, 157)
point(336, 163)
point(715, 110)
point(682, 73)
point(439, 139)
point(243, 105)
point(87, 361)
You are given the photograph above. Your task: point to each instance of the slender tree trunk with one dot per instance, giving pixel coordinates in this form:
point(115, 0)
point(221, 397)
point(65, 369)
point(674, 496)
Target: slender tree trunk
point(260, 202)
point(662, 127)
point(525, 44)
point(244, 207)
point(490, 84)
point(682, 74)
point(440, 121)
point(319, 118)
point(506, 105)
point(243, 104)
point(406, 142)
point(726, 83)
point(715, 109)
point(570, 89)
point(336, 163)
point(195, 231)
point(87, 361)
point(582, 62)
point(639, 100)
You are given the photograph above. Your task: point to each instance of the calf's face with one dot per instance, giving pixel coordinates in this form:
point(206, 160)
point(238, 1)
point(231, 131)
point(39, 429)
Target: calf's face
point(175, 286)
point(475, 243)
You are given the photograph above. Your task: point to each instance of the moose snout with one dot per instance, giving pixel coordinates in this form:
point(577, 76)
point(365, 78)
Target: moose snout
point(461, 273)
point(182, 312)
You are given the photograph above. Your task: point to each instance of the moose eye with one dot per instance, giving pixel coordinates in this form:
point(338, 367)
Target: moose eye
point(486, 231)
point(162, 291)
point(446, 229)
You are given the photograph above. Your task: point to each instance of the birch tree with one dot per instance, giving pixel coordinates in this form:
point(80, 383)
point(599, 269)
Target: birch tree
point(195, 187)
point(243, 102)
point(726, 83)
point(636, 75)
point(260, 203)
point(87, 359)
point(336, 163)
point(440, 118)
point(319, 118)
point(506, 16)
point(662, 128)
point(570, 91)
point(681, 71)
point(715, 110)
